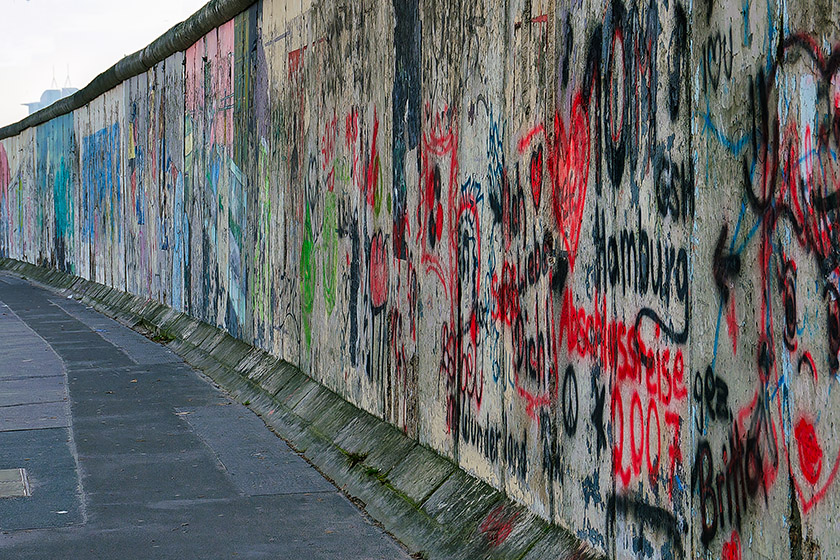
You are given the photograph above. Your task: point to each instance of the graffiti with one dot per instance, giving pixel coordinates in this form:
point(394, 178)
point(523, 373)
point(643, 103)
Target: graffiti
point(593, 261)
point(237, 280)
point(55, 174)
point(498, 525)
point(647, 515)
point(136, 166)
point(646, 427)
point(724, 266)
point(516, 455)
point(487, 439)
point(180, 239)
point(569, 169)
point(633, 259)
point(5, 175)
point(505, 293)
point(716, 54)
point(5, 221)
point(570, 401)
point(618, 345)
point(307, 278)
point(789, 187)
point(674, 185)
point(467, 261)
point(438, 188)
point(732, 548)
point(665, 387)
point(101, 192)
point(741, 476)
point(329, 235)
point(810, 453)
point(507, 203)
point(597, 416)
point(711, 393)
point(379, 260)
point(537, 175)
point(328, 150)
point(406, 113)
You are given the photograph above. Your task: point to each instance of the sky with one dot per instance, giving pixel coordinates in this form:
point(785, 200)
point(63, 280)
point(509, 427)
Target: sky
point(44, 41)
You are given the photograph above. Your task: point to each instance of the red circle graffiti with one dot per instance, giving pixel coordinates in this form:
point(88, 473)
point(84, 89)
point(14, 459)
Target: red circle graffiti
point(810, 453)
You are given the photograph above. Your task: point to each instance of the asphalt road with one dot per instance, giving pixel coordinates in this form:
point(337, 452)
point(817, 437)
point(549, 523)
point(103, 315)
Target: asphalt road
point(130, 453)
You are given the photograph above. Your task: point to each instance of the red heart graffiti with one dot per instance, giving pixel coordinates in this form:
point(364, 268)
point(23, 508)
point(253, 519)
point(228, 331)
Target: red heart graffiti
point(811, 466)
point(569, 167)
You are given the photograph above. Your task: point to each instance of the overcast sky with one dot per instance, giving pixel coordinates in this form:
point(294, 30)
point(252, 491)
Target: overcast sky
point(45, 38)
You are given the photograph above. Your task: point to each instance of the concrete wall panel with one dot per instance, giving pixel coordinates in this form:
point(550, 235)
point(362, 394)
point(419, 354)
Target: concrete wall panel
point(585, 250)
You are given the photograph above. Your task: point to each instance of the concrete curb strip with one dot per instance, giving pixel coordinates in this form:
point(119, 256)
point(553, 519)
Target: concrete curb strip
point(423, 499)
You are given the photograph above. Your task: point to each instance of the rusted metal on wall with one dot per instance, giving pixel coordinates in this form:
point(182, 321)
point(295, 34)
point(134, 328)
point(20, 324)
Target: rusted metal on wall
point(588, 252)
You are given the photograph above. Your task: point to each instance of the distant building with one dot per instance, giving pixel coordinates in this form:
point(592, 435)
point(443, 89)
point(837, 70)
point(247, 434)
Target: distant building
point(49, 97)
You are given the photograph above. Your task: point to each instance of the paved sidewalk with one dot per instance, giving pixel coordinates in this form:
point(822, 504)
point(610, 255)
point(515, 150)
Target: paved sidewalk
point(129, 453)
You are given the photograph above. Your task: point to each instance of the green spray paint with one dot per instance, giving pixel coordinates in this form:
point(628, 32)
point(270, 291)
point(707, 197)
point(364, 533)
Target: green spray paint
point(307, 278)
point(330, 236)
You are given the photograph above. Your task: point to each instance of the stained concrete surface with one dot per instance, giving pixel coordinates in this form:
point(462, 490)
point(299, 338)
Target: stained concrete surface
point(131, 454)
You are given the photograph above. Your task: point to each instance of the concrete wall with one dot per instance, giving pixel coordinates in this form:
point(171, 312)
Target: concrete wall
point(589, 251)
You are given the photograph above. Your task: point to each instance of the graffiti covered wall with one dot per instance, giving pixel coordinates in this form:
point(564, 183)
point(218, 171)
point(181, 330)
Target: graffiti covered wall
point(588, 251)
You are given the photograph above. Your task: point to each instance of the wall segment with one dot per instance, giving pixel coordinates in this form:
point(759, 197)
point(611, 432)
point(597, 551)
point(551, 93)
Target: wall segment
point(588, 251)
